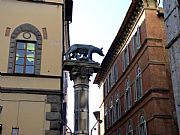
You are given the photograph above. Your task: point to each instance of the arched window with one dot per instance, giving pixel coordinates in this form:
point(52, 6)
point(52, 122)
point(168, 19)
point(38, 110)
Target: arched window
point(142, 126)
point(25, 50)
point(138, 84)
point(129, 129)
point(128, 99)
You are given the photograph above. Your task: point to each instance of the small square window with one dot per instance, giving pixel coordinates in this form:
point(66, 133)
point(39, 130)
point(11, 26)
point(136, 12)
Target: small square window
point(15, 131)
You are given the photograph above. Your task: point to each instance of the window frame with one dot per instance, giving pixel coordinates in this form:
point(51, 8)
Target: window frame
point(142, 125)
point(138, 84)
point(128, 97)
point(125, 58)
point(129, 129)
point(115, 73)
point(136, 42)
point(25, 28)
point(25, 55)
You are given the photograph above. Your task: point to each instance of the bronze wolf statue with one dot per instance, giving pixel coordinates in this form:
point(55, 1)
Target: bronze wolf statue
point(82, 52)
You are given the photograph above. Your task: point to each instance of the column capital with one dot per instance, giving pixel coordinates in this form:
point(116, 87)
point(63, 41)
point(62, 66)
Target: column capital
point(80, 68)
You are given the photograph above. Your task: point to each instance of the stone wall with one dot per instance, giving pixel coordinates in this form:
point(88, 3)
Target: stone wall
point(172, 18)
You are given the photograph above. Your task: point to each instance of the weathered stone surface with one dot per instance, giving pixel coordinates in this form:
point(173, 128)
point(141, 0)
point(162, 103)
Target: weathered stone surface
point(54, 125)
point(52, 116)
point(52, 132)
point(53, 99)
point(172, 17)
point(55, 107)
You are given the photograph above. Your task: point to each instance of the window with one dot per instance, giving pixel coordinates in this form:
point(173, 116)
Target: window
point(25, 50)
point(136, 42)
point(125, 58)
point(119, 132)
point(25, 57)
point(105, 90)
point(127, 96)
point(106, 117)
point(115, 73)
point(142, 126)
point(129, 129)
point(15, 131)
point(111, 113)
point(138, 84)
point(117, 108)
point(107, 85)
point(110, 81)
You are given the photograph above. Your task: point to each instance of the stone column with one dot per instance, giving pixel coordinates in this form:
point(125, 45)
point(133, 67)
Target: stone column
point(80, 73)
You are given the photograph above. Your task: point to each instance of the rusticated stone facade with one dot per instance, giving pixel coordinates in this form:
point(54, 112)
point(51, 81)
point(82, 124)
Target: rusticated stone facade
point(172, 17)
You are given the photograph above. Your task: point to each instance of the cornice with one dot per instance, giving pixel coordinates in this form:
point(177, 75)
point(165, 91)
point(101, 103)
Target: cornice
point(42, 2)
point(130, 19)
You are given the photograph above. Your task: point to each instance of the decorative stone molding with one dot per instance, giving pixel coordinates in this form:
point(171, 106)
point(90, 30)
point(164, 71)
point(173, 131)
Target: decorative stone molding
point(55, 115)
point(25, 28)
point(53, 99)
point(52, 116)
point(81, 71)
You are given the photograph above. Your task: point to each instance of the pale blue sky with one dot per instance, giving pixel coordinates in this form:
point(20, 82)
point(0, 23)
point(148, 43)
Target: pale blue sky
point(95, 22)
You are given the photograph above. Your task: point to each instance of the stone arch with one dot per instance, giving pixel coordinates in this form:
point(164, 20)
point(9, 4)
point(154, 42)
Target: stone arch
point(25, 28)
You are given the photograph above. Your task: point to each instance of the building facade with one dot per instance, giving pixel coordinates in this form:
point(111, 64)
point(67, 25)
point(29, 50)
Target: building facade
point(32, 37)
point(135, 79)
point(171, 18)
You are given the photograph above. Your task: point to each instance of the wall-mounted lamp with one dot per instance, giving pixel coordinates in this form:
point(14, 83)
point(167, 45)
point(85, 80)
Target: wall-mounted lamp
point(97, 116)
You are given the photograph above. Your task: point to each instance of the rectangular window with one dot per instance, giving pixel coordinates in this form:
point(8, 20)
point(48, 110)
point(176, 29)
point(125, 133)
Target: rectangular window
point(106, 122)
point(128, 99)
point(111, 116)
point(138, 84)
point(117, 110)
point(25, 57)
point(107, 85)
point(125, 58)
point(15, 131)
point(104, 88)
point(136, 41)
point(115, 72)
point(110, 81)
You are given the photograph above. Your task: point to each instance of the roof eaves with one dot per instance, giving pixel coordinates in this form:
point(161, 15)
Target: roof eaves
point(119, 40)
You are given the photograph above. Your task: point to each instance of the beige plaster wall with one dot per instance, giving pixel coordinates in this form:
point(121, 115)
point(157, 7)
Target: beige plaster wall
point(30, 82)
point(15, 13)
point(26, 112)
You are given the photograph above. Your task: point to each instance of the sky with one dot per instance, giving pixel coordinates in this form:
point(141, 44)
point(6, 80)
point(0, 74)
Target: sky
point(95, 22)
